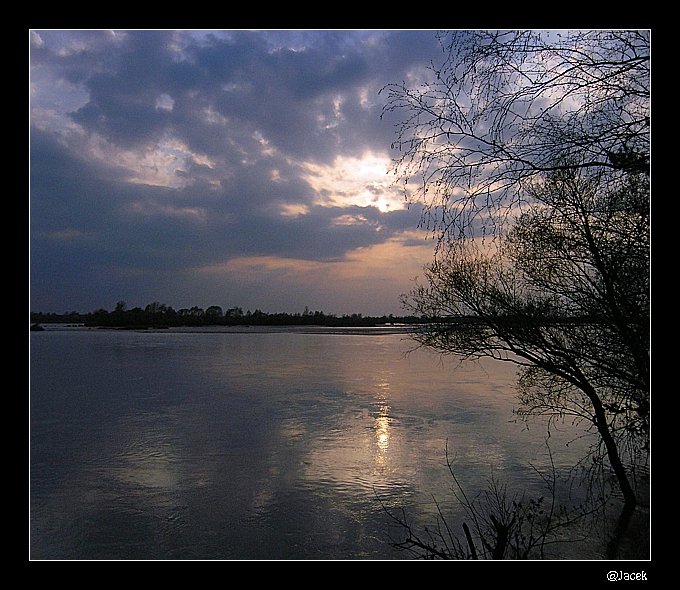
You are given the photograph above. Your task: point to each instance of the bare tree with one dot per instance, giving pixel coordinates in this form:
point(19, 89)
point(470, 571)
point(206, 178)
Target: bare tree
point(506, 107)
point(531, 151)
point(565, 296)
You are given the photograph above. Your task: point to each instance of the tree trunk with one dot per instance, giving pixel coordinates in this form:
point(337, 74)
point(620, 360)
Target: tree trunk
point(630, 501)
point(622, 526)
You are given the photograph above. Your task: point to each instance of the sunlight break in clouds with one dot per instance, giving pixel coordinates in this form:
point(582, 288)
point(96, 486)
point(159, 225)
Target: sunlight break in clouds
point(350, 181)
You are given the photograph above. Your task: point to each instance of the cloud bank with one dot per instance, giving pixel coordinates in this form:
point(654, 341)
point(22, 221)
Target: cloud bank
point(227, 167)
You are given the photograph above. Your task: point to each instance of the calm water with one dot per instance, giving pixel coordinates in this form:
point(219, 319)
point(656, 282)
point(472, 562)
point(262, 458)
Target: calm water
point(270, 445)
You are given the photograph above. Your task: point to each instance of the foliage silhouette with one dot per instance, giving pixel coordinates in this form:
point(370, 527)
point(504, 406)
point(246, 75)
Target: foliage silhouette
point(158, 315)
point(530, 153)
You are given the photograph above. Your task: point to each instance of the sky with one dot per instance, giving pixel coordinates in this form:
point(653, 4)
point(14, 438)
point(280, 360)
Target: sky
point(235, 168)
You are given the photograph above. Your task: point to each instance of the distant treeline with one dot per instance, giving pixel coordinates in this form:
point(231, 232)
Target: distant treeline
point(159, 315)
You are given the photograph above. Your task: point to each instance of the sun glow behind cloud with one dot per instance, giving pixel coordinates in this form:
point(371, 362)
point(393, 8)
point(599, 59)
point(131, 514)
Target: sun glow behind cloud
point(352, 181)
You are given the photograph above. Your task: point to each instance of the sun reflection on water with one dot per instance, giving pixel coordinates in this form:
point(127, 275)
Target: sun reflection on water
point(382, 431)
point(382, 422)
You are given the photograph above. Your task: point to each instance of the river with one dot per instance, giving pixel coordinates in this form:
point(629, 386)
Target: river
point(265, 445)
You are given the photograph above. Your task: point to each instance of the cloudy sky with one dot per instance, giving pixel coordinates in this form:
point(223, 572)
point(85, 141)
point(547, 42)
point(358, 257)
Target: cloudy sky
point(228, 168)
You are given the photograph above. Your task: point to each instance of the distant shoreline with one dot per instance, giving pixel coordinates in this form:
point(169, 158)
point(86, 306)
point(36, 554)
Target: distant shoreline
point(290, 329)
point(160, 316)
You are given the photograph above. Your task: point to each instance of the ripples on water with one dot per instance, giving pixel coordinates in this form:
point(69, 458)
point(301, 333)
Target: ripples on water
point(229, 446)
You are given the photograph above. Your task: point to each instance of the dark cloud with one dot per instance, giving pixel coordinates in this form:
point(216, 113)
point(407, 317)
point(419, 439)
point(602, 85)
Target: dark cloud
point(281, 92)
point(145, 226)
point(243, 110)
point(123, 97)
point(405, 49)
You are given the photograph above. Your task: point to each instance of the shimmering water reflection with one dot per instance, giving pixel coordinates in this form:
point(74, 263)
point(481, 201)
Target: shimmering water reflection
point(228, 446)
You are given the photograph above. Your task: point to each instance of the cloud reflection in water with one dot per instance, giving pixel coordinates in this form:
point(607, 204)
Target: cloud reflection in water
point(254, 445)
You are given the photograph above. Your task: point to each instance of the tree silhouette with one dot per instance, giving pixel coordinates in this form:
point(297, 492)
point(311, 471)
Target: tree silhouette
point(507, 107)
point(530, 152)
point(214, 313)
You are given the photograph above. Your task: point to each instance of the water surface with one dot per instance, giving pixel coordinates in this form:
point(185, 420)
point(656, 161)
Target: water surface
point(172, 445)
